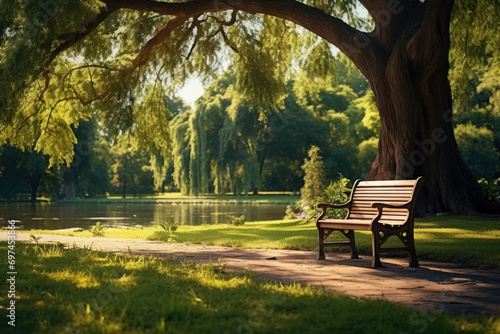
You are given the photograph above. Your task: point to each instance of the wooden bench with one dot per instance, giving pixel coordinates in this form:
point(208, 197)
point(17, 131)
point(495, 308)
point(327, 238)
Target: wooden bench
point(385, 208)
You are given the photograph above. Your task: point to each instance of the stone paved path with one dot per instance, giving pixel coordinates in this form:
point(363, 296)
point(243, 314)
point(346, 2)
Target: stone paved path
point(436, 287)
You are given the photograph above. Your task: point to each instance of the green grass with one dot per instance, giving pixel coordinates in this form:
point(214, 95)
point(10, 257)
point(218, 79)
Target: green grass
point(470, 240)
point(78, 291)
point(262, 198)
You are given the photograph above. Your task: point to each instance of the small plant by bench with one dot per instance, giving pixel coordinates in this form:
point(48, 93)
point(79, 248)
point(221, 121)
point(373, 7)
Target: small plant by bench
point(385, 208)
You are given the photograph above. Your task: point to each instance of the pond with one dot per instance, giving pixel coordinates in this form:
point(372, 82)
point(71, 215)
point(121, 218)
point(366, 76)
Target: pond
point(58, 216)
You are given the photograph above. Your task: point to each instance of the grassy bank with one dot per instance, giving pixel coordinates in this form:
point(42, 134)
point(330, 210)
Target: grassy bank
point(178, 198)
point(470, 240)
point(69, 291)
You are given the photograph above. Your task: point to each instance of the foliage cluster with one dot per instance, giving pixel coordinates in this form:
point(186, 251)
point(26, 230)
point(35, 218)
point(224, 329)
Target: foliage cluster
point(314, 178)
point(169, 226)
point(97, 230)
point(236, 221)
point(336, 193)
point(225, 146)
point(289, 213)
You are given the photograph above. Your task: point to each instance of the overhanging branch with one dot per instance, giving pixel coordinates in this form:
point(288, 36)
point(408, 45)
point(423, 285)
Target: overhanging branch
point(348, 39)
point(68, 40)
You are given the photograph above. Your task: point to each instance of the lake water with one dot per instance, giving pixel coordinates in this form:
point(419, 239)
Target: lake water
point(58, 216)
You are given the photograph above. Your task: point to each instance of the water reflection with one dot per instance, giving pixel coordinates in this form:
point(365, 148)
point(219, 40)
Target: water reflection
point(57, 216)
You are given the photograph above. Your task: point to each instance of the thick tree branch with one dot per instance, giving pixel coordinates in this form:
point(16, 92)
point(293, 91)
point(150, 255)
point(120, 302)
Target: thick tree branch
point(348, 39)
point(171, 25)
point(68, 40)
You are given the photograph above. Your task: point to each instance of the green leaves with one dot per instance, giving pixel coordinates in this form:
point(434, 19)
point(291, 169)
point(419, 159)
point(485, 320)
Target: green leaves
point(314, 179)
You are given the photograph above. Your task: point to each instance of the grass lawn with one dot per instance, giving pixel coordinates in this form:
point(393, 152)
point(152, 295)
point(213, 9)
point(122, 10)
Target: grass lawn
point(470, 240)
point(78, 291)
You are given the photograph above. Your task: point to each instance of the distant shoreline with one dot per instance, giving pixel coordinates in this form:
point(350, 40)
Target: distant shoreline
point(282, 198)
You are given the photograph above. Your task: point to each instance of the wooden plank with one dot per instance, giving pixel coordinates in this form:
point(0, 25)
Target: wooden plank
point(347, 226)
point(365, 209)
point(371, 216)
point(392, 223)
point(384, 190)
point(379, 195)
point(378, 199)
point(368, 207)
point(382, 193)
point(388, 183)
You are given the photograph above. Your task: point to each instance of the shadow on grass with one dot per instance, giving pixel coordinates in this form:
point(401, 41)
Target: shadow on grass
point(67, 291)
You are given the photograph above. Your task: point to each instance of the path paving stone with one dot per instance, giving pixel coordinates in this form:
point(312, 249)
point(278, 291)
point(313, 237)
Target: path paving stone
point(434, 287)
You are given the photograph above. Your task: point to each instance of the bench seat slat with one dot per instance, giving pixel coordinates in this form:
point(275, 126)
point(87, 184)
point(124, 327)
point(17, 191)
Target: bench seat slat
point(355, 223)
point(345, 224)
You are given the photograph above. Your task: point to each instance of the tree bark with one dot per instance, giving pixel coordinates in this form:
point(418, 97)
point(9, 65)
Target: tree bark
point(413, 96)
point(68, 190)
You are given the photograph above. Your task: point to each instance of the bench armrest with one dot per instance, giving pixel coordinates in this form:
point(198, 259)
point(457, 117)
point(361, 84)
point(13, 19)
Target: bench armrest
point(380, 205)
point(326, 206)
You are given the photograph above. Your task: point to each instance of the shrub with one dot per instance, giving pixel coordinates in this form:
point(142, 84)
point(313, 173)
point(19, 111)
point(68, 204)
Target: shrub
point(492, 189)
point(314, 177)
point(336, 193)
point(289, 213)
point(237, 221)
point(97, 230)
point(169, 226)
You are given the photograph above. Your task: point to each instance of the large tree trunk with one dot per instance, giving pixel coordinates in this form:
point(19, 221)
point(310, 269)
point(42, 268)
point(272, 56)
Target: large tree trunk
point(68, 190)
point(413, 95)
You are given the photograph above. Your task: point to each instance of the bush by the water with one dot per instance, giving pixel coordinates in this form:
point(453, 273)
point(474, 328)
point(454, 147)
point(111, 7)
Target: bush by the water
point(97, 230)
point(237, 221)
point(169, 226)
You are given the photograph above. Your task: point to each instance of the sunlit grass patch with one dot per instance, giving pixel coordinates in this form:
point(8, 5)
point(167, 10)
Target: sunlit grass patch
point(148, 295)
point(470, 240)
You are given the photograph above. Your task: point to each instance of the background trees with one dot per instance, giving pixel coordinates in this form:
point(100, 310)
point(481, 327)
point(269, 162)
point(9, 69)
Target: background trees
point(63, 60)
point(224, 146)
point(314, 179)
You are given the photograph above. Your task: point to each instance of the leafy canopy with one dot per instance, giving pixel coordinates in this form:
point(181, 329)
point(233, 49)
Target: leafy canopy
point(64, 61)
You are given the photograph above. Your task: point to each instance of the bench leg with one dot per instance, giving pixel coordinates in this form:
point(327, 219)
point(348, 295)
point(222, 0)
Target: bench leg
point(376, 250)
point(321, 248)
point(354, 252)
point(413, 254)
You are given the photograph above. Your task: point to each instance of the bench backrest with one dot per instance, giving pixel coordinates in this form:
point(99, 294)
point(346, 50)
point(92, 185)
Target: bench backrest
point(397, 192)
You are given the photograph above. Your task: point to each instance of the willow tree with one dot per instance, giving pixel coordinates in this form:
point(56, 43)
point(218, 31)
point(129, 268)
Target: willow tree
point(60, 56)
point(224, 140)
